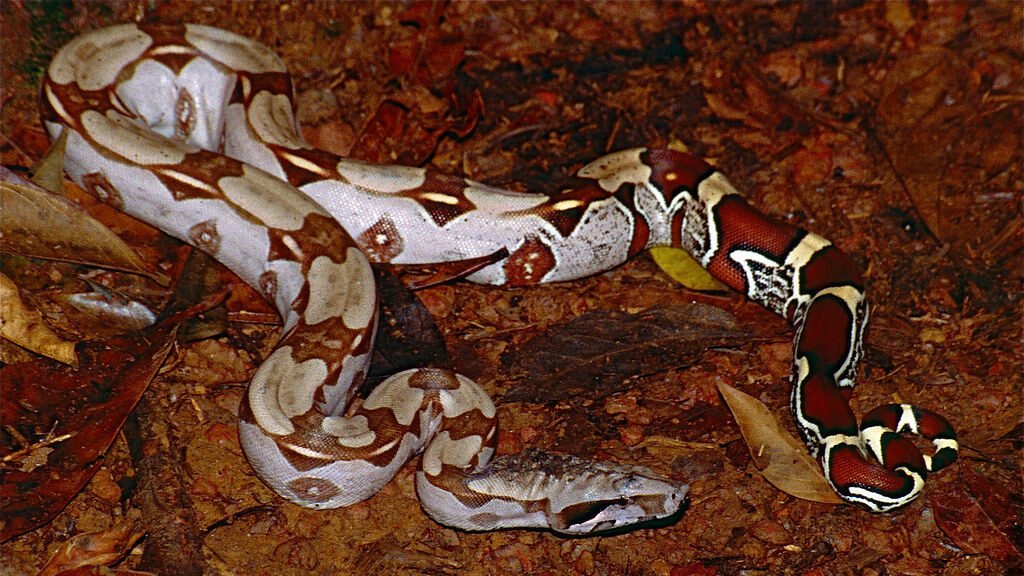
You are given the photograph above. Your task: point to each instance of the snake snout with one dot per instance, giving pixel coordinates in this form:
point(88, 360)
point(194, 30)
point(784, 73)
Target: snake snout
point(638, 498)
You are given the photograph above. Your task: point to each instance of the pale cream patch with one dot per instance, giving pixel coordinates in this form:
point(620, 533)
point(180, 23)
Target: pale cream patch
point(491, 199)
point(567, 205)
point(618, 168)
point(293, 246)
point(115, 102)
point(872, 439)
point(129, 140)
point(275, 202)
point(712, 189)
point(385, 448)
point(443, 450)
point(744, 258)
point(94, 60)
point(384, 179)
point(344, 290)
point(907, 419)
point(396, 395)
point(803, 368)
point(270, 116)
point(799, 256)
point(305, 450)
point(172, 50)
point(848, 294)
point(189, 181)
point(283, 388)
point(361, 294)
point(234, 51)
point(468, 396)
point(58, 107)
point(351, 432)
point(440, 198)
point(304, 164)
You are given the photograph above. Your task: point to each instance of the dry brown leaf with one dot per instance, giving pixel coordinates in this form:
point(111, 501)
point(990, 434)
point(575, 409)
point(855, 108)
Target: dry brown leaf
point(40, 224)
point(782, 459)
point(969, 524)
point(25, 327)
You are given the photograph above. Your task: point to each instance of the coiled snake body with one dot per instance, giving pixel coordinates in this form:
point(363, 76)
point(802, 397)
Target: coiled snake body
point(192, 129)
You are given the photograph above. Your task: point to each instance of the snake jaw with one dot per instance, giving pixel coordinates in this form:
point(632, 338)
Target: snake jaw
point(649, 497)
point(569, 495)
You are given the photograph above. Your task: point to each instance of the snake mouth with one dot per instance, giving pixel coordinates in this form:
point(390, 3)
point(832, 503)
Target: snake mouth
point(622, 513)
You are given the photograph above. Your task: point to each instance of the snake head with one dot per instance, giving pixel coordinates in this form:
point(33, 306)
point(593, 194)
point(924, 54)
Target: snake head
point(573, 496)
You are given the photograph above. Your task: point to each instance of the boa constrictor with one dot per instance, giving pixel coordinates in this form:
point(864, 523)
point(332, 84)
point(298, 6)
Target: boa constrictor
point(192, 129)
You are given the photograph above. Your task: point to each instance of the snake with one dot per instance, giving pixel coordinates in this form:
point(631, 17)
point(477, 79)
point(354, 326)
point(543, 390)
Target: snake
point(193, 129)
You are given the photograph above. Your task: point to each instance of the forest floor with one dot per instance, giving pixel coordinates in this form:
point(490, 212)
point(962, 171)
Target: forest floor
point(893, 129)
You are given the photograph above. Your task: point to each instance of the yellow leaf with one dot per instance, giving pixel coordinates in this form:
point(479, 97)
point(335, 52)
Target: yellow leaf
point(48, 172)
point(684, 269)
point(782, 459)
point(24, 326)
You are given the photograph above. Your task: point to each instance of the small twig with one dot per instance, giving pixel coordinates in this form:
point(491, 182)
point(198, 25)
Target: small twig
point(17, 454)
point(48, 441)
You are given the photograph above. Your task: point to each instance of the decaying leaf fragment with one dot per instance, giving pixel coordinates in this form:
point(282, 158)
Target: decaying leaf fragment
point(101, 548)
point(48, 171)
point(114, 308)
point(782, 459)
point(24, 326)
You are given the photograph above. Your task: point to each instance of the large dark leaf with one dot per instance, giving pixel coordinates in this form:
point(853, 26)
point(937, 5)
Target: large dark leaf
point(84, 409)
point(407, 336)
point(595, 354)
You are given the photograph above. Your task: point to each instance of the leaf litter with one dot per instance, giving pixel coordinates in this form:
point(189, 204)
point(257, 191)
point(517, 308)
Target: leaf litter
point(807, 109)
